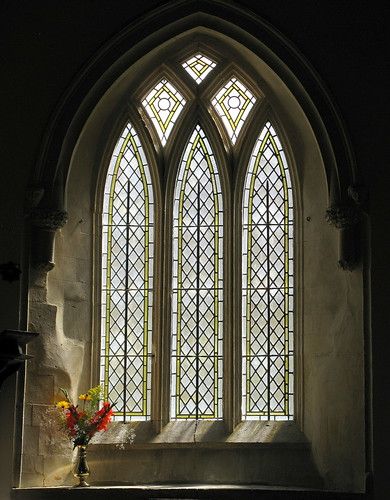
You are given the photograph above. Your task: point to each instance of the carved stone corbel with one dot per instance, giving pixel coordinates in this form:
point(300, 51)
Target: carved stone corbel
point(346, 218)
point(45, 222)
point(49, 218)
point(343, 216)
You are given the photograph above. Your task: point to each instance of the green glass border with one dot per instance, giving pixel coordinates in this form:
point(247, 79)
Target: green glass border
point(129, 143)
point(268, 139)
point(197, 139)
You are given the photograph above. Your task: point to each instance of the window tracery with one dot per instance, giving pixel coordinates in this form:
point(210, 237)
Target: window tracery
point(199, 336)
point(198, 67)
point(233, 103)
point(164, 103)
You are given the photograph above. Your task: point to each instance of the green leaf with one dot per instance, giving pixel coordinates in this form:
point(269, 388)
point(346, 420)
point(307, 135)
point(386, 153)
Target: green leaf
point(66, 394)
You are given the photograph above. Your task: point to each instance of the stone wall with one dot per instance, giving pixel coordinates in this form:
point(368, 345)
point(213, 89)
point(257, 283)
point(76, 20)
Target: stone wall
point(329, 368)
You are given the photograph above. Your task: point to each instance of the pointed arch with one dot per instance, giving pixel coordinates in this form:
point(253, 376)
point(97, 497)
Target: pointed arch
point(109, 84)
point(267, 283)
point(174, 20)
point(197, 285)
point(127, 280)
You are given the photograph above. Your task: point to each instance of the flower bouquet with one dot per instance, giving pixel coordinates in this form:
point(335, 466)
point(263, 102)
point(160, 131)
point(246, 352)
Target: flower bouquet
point(81, 422)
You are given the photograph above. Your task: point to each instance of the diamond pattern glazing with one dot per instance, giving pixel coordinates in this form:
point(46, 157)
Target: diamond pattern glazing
point(127, 280)
point(267, 305)
point(196, 378)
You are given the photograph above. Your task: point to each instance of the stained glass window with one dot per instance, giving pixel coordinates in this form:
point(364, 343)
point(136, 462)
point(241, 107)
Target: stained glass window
point(196, 302)
point(196, 367)
point(164, 103)
point(198, 67)
point(233, 103)
point(127, 280)
point(267, 281)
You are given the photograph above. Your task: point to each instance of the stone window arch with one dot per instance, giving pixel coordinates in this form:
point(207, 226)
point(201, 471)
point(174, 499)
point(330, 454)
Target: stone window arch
point(198, 128)
point(315, 149)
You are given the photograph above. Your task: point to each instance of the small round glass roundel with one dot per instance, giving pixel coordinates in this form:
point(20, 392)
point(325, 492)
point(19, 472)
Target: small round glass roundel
point(234, 102)
point(163, 103)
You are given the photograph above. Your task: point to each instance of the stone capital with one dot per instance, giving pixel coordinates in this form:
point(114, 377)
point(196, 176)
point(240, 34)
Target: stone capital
point(343, 216)
point(49, 218)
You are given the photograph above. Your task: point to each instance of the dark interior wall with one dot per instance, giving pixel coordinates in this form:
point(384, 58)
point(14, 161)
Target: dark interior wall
point(46, 43)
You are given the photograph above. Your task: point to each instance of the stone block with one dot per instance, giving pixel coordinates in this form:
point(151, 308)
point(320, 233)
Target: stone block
point(30, 480)
point(77, 321)
point(40, 389)
point(42, 318)
point(38, 294)
point(38, 280)
point(31, 440)
point(27, 417)
point(74, 269)
point(32, 464)
point(39, 413)
point(52, 441)
point(279, 465)
point(58, 471)
point(75, 242)
point(77, 291)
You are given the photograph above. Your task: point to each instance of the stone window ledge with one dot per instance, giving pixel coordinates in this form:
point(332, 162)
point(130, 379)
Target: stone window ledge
point(205, 492)
point(203, 434)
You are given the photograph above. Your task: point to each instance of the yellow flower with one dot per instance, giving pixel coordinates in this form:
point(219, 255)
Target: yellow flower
point(63, 405)
point(85, 397)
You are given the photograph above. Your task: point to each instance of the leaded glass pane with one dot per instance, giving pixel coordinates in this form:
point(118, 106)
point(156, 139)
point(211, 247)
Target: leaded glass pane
point(233, 103)
point(196, 367)
point(164, 103)
point(127, 280)
point(267, 281)
point(198, 67)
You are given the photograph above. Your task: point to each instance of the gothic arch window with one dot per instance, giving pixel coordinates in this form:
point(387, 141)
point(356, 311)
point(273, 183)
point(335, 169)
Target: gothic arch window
point(207, 128)
point(284, 339)
point(127, 280)
point(267, 282)
point(197, 285)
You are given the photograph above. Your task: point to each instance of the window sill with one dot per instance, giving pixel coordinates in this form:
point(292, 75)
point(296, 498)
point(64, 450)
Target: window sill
point(214, 434)
point(188, 453)
point(205, 453)
point(119, 492)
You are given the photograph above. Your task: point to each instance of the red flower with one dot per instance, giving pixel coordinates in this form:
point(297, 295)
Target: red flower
point(81, 424)
point(71, 422)
point(102, 417)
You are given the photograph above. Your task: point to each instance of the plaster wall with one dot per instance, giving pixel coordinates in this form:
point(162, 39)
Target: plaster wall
point(333, 354)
